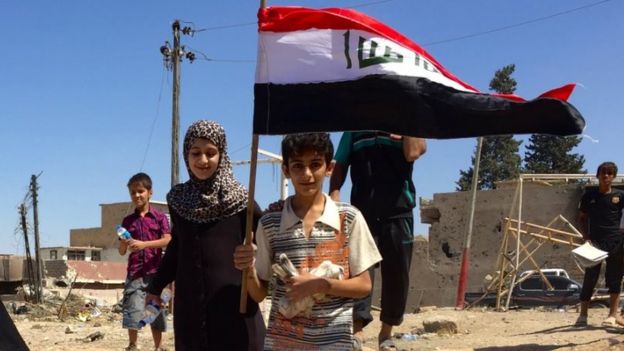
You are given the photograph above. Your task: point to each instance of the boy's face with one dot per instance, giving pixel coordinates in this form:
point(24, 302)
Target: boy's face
point(306, 171)
point(140, 195)
point(606, 175)
point(203, 158)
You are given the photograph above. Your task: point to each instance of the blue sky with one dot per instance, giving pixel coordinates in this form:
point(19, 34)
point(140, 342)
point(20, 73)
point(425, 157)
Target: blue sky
point(85, 100)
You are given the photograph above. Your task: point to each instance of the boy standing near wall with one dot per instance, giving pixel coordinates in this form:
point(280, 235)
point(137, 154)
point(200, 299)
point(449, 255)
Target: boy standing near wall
point(150, 234)
point(600, 213)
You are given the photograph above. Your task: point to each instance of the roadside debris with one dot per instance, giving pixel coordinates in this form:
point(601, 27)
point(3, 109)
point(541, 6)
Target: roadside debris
point(94, 336)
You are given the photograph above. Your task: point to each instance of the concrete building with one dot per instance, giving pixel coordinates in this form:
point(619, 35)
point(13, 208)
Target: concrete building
point(72, 253)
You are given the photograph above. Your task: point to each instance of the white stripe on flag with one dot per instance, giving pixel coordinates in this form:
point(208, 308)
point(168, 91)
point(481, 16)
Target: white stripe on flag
point(320, 55)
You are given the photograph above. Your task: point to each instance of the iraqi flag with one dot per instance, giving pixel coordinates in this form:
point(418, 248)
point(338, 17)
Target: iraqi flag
point(340, 70)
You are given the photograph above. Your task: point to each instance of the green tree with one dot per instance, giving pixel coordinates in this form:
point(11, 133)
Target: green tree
point(500, 159)
point(550, 154)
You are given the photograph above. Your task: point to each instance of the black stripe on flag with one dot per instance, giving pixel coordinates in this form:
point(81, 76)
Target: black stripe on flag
point(407, 106)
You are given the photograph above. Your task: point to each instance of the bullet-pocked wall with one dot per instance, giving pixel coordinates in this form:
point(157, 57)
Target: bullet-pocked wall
point(435, 264)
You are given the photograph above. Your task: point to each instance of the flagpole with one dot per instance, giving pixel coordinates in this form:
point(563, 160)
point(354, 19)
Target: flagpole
point(463, 270)
point(250, 206)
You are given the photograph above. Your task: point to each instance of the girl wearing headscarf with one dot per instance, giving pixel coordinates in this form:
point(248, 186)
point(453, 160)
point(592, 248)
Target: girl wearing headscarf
point(208, 213)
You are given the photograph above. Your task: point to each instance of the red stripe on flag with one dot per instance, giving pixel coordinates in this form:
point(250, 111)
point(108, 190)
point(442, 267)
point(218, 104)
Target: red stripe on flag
point(561, 93)
point(289, 19)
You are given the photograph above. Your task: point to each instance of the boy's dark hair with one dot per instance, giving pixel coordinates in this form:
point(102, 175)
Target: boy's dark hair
point(295, 144)
point(141, 178)
point(607, 165)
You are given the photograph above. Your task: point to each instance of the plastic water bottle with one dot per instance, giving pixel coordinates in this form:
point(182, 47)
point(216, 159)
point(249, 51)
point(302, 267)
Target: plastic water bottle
point(123, 233)
point(165, 295)
point(409, 337)
point(152, 309)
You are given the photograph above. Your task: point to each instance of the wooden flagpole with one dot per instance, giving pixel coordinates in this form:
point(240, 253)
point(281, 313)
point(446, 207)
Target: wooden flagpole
point(250, 206)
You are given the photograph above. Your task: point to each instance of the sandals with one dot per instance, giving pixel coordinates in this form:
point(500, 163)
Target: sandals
point(387, 345)
point(612, 322)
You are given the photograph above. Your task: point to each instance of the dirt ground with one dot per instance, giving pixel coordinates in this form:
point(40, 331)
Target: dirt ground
point(479, 329)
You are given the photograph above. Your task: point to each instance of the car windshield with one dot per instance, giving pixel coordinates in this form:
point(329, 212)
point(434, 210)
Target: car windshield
point(558, 283)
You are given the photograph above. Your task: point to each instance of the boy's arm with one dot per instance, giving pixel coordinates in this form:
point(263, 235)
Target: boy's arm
point(123, 246)
point(256, 287)
point(356, 287)
point(338, 176)
point(413, 148)
point(341, 166)
point(582, 222)
point(307, 284)
point(151, 244)
point(582, 217)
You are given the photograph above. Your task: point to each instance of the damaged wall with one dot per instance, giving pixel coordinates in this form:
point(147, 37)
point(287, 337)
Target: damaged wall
point(435, 269)
point(94, 275)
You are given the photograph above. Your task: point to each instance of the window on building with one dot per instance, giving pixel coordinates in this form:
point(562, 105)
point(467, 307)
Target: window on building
point(76, 255)
point(95, 256)
point(53, 254)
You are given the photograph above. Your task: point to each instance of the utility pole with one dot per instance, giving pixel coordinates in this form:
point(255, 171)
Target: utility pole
point(172, 57)
point(175, 104)
point(23, 211)
point(39, 272)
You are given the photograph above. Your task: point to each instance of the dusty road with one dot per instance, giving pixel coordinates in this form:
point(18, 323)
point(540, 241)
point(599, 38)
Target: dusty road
point(480, 330)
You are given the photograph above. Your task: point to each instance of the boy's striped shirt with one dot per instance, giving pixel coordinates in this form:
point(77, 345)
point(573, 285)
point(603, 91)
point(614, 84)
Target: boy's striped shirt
point(339, 235)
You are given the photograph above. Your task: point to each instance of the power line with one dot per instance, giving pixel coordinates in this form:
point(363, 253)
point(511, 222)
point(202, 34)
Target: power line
point(227, 26)
point(227, 60)
point(205, 57)
point(151, 133)
point(467, 36)
point(443, 41)
point(240, 148)
point(369, 4)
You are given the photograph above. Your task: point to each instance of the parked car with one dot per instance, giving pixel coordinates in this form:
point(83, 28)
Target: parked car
point(548, 271)
point(533, 292)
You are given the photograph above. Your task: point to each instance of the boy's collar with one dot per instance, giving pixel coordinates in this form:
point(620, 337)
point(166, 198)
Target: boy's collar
point(138, 212)
point(330, 215)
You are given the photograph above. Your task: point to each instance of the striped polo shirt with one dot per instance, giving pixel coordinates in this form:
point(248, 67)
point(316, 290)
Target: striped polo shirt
point(340, 235)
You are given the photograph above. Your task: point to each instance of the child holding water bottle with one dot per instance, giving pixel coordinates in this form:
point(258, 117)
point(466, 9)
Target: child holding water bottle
point(149, 231)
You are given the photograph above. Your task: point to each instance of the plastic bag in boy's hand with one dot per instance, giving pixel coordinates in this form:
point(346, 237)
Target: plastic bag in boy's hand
point(286, 269)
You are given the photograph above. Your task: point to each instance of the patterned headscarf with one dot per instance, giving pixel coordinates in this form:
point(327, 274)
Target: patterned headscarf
point(213, 199)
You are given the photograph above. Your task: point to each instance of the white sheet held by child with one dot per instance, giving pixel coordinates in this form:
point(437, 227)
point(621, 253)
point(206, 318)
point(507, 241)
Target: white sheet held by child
point(286, 269)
